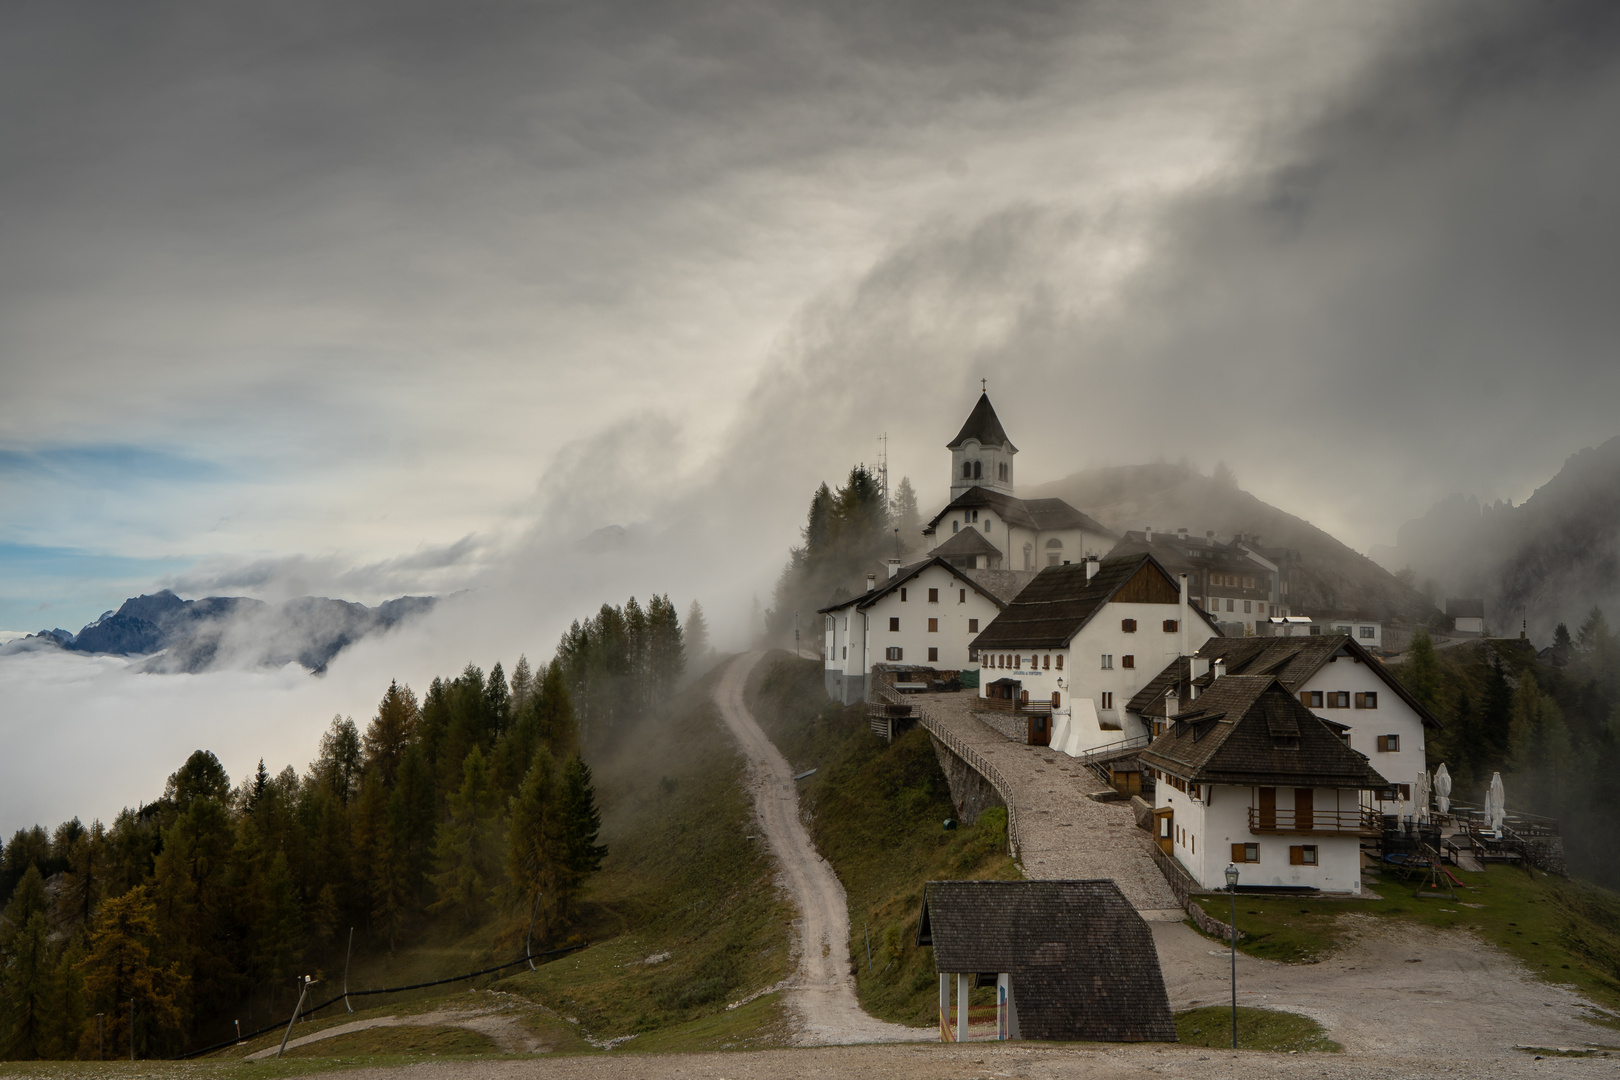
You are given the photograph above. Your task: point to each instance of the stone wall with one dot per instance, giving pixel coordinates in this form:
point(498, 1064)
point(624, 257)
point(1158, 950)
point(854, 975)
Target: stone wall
point(1183, 885)
point(971, 793)
point(1546, 853)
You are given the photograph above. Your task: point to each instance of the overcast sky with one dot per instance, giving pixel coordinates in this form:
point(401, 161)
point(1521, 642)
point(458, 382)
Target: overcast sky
point(377, 298)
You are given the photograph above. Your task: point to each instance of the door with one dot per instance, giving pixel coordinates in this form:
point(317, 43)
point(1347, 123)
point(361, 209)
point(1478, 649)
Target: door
point(1304, 808)
point(1040, 730)
point(1166, 820)
point(1268, 809)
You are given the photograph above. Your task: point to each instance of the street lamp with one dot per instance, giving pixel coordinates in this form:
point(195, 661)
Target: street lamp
point(1231, 888)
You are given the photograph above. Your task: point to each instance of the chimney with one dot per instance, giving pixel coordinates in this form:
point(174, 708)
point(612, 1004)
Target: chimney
point(1184, 615)
point(1148, 532)
point(1181, 534)
point(871, 582)
point(894, 568)
point(1220, 668)
point(1091, 568)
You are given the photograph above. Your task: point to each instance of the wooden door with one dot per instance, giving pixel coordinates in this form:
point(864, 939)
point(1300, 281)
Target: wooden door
point(1040, 730)
point(1304, 808)
point(1268, 808)
point(1166, 832)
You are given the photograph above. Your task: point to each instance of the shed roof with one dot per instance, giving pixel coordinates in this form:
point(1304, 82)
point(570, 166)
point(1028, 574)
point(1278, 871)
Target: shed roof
point(983, 425)
point(1249, 729)
point(1081, 960)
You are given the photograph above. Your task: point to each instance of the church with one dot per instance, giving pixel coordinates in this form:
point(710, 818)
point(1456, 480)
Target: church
point(986, 526)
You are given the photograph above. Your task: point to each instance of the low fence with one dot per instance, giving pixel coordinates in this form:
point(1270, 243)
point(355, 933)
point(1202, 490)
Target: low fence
point(1182, 884)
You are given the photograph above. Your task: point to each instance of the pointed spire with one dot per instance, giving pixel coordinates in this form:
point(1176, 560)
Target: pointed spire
point(983, 425)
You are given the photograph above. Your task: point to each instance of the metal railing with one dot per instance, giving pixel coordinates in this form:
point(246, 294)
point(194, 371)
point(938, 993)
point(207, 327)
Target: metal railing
point(1314, 821)
point(1114, 749)
point(971, 757)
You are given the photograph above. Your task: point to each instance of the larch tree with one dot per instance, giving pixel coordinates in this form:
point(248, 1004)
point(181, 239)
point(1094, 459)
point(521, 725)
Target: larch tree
point(390, 732)
point(535, 841)
point(119, 967)
point(463, 849)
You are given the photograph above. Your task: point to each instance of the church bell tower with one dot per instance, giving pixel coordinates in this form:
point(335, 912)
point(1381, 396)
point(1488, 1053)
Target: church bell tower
point(981, 453)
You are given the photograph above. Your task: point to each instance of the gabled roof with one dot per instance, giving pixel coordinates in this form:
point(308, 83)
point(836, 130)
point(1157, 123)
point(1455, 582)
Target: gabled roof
point(1082, 962)
point(1250, 729)
point(969, 541)
point(1037, 514)
point(867, 599)
point(1294, 660)
point(984, 426)
point(1005, 584)
point(1058, 604)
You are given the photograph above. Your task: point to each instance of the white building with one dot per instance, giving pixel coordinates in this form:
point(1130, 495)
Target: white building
point(924, 616)
point(1333, 676)
point(1368, 633)
point(1246, 774)
point(1082, 639)
point(1467, 616)
point(1023, 534)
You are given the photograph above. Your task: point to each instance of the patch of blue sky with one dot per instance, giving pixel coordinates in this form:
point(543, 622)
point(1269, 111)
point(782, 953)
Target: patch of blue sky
point(111, 465)
point(44, 587)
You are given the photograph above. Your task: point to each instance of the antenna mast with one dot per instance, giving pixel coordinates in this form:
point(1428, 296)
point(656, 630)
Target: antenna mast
point(883, 467)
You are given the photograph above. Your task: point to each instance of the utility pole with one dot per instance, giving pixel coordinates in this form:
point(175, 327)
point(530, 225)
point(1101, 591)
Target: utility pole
point(132, 1029)
point(883, 468)
point(1231, 887)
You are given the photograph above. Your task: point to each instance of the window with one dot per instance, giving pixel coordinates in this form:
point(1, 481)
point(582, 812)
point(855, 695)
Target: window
point(961, 596)
point(986, 524)
point(973, 655)
point(978, 469)
point(894, 652)
point(1248, 607)
point(955, 525)
point(1060, 662)
point(902, 594)
point(1046, 662)
point(1341, 630)
point(1229, 605)
point(933, 596)
point(1338, 699)
point(975, 515)
point(1107, 699)
point(894, 624)
point(1302, 855)
point(1018, 662)
point(1243, 853)
point(1389, 744)
point(1003, 468)
point(1107, 662)
point(1366, 631)
point(1128, 625)
point(1315, 629)
point(1311, 699)
point(973, 626)
point(1171, 626)
point(967, 470)
point(933, 655)
point(1127, 661)
point(1395, 792)
point(1248, 583)
point(1369, 700)
point(846, 653)
point(1262, 607)
point(933, 626)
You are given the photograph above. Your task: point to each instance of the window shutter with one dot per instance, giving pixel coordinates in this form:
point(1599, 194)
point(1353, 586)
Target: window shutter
point(1305, 698)
point(1383, 743)
point(1296, 855)
point(1238, 854)
point(1361, 701)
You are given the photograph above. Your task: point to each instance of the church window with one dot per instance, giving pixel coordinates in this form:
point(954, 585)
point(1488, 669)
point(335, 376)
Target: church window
point(967, 470)
point(955, 525)
point(1003, 470)
point(978, 469)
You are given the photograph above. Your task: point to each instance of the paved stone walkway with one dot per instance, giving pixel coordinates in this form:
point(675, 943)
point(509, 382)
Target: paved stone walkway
point(1062, 833)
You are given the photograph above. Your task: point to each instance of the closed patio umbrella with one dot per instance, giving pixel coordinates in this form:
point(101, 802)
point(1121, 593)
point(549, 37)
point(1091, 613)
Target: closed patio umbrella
point(1420, 797)
point(1442, 789)
point(1496, 803)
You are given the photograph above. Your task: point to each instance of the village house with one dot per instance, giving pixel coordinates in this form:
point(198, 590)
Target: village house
point(1248, 775)
point(1239, 583)
point(1467, 617)
point(1330, 674)
point(1081, 639)
point(925, 616)
point(1013, 533)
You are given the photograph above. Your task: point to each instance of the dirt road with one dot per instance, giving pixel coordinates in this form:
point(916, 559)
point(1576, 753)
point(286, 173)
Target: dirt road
point(820, 994)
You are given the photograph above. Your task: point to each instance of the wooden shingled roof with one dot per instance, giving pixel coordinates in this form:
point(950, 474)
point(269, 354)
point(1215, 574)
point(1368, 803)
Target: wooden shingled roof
point(984, 426)
point(1058, 604)
point(1082, 961)
point(1251, 730)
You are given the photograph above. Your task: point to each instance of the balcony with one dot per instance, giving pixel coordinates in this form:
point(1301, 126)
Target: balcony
point(1360, 822)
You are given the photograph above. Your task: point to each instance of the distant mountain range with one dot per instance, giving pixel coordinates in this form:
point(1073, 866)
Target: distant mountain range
point(1549, 560)
point(195, 635)
point(1329, 578)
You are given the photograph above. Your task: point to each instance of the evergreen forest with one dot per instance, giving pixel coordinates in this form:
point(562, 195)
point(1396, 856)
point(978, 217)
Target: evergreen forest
point(468, 810)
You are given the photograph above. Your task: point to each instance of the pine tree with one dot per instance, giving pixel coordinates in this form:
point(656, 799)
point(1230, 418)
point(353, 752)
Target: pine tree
point(461, 852)
point(341, 760)
point(1421, 671)
point(666, 652)
point(522, 684)
point(581, 825)
point(497, 701)
point(536, 845)
point(697, 634)
point(903, 511)
point(119, 966)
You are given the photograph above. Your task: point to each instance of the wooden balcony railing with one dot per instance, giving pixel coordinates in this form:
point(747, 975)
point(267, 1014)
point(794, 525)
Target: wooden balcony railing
point(1358, 822)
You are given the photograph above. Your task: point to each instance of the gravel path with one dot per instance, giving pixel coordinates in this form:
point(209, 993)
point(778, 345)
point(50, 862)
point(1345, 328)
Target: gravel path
point(499, 1022)
point(1062, 834)
point(820, 995)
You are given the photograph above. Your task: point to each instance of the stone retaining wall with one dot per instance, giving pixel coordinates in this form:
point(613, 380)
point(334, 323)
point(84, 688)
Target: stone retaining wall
point(971, 793)
point(1182, 884)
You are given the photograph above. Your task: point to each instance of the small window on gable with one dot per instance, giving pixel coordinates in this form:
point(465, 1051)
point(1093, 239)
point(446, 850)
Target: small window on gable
point(1389, 744)
point(1107, 662)
point(933, 596)
point(1338, 699)
point(955, 525)
point(1127, 661)
point(894, 624)
point(973, 626)
point(902, 594)
point(1311, 699)
point(1369, 700)
point(1170, 626)
point(961, 596)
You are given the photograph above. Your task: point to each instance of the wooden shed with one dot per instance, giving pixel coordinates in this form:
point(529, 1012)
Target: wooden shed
point(1070, 960)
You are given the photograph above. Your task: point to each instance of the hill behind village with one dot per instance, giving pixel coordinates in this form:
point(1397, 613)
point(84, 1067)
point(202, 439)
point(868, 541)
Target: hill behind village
point(1330, 576)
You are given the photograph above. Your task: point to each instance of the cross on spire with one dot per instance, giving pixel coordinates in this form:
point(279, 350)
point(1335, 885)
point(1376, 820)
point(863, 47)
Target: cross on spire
point(984, 386)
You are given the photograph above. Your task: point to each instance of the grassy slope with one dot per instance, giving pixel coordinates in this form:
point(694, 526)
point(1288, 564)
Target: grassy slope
point(1564, 931)
point(1257, 1029)
point(683, 878)
point(876, 813)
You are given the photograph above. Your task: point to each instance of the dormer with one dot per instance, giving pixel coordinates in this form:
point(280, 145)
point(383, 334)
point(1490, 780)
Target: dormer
point(981, 453)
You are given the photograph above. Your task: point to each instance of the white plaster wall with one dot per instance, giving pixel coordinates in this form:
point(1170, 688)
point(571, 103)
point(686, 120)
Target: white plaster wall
point(1392, 717)
point(1205, 833)
point(913, 637)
